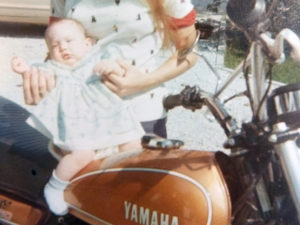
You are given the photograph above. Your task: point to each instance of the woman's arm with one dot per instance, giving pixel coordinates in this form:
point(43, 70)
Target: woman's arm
point(134, 81)
point(178, 18)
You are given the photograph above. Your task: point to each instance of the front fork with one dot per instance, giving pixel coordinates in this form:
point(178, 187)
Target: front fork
point(286, 148)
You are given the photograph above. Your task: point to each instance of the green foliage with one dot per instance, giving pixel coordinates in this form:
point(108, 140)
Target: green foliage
point(284, 15)
point(233, 57)
point(236, 48)
point(287, 72)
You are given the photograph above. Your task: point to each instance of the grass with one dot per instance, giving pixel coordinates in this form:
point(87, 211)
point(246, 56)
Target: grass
point(287, 72)
point(233, 57)
point(236, 48)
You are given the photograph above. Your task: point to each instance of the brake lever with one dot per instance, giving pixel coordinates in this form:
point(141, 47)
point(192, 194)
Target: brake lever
point(192, 98)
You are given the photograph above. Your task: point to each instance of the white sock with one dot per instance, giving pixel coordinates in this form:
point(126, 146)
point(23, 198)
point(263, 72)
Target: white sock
point(54, 195)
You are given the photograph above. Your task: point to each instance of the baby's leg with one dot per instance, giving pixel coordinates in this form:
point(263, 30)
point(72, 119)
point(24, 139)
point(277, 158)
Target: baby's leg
point(72, 163)
point(68, 166)
point(132, 145)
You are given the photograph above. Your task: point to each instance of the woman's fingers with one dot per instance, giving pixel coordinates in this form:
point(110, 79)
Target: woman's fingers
point(42, 85)
point(110, 85)
point(51, 82)
point(36, 84)
point(122, 86)
point(131, 82)
point(98, 70)
point(124, 65)
point(114, 79)
point(47, 82)
point(27, 88)
point(107, 67)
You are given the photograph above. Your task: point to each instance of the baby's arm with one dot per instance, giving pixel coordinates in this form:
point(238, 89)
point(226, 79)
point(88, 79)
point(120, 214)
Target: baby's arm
point(107, 67)
point(19, 65)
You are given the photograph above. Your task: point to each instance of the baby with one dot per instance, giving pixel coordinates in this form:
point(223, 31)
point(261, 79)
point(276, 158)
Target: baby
point(81, 114)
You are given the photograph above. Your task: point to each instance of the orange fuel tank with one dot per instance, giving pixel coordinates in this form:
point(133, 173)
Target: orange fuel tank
point(151, 187)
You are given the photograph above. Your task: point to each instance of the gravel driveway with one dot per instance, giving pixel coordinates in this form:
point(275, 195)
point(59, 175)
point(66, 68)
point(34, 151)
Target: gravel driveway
point(197, 129)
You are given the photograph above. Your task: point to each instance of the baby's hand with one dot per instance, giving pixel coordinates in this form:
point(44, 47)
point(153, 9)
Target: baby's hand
point(107, 67)
point(19, 65)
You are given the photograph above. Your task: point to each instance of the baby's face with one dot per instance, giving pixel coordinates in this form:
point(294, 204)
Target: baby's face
point(67, 43)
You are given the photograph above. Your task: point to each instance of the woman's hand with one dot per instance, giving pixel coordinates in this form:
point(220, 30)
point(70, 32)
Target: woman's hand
point(135, 81)
point(132, 82)
point(36, 84)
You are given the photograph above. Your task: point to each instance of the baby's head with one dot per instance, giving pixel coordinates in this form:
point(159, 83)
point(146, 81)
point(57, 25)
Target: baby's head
point(67, 41)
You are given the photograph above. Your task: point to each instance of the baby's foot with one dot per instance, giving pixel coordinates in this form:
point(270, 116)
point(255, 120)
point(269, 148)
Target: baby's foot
point(54, 195)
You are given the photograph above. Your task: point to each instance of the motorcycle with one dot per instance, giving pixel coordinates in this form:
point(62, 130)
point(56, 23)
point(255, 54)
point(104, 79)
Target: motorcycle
point(161, 184)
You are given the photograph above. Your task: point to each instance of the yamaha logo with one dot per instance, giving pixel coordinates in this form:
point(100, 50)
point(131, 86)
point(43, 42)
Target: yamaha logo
point(146, 216)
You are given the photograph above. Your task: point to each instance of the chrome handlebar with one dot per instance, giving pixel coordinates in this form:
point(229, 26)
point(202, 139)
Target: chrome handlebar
point(275, 46)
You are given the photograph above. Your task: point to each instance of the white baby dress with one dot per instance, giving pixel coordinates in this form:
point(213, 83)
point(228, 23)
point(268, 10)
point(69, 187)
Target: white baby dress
point(81, 113)
point(125, 30)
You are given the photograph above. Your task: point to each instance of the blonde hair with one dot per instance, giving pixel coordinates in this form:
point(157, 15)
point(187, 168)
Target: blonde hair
point(162, 21)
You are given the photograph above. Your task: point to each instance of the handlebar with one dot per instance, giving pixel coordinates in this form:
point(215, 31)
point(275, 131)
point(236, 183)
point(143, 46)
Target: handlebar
point(275, 46)
point(194, 98)
point(190, 98)
point(251, 17)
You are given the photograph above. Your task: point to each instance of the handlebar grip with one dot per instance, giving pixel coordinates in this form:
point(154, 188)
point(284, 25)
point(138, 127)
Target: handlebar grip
point(190, 98)
point(172, 101)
